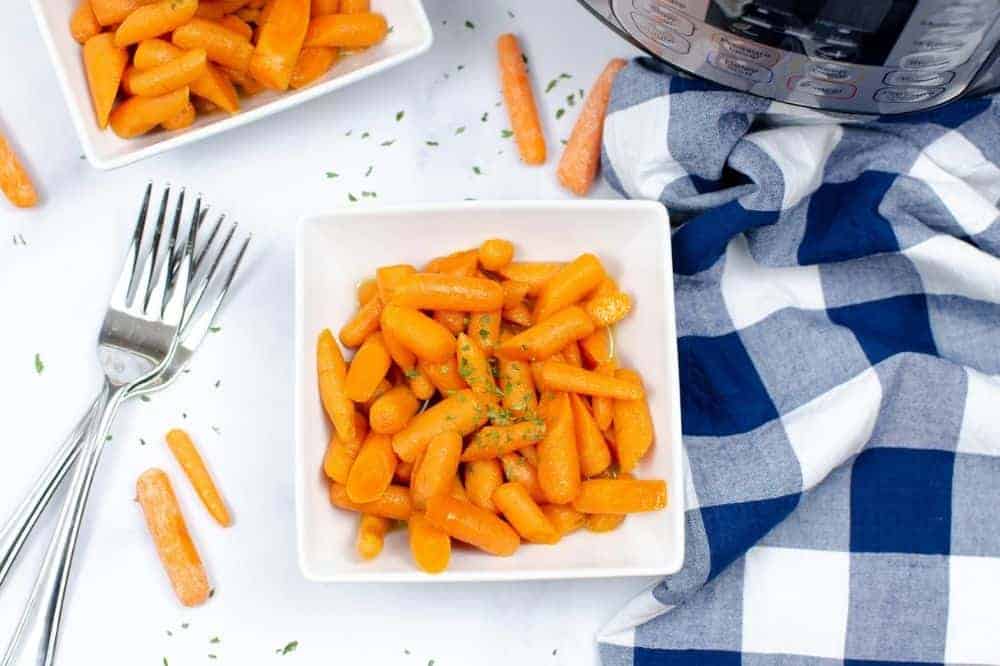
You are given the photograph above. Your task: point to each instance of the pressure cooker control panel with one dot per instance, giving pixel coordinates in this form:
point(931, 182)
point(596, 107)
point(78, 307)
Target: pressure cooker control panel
point(860, 56)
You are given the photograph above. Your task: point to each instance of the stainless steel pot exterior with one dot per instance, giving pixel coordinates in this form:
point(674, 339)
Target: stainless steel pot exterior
point(855, 56)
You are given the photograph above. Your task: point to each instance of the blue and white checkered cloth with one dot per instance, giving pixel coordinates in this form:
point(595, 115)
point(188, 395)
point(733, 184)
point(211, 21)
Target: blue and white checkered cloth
point(838, 314)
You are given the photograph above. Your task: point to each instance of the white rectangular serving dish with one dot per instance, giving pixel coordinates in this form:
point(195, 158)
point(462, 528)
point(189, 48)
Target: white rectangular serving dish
point(411, 35)
point(335, 251)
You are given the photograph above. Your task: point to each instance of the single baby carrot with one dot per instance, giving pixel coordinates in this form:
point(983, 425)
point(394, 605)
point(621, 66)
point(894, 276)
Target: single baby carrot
point(558, 459)
point(83, 24)
point(484, 328)
point(387, 277)
point(608, 309)
point(194, 467)
point(331, 371)
point(633, 425)
point(323, 7)
point(371, 535)
point(443, 376)
point(604, 407)
point(313, 62)
point(425, 337)
point(581, 157)
point(348, 31)
point(547, 337)
point(495, 441)
point(473, 525)
point(368, 368)
point(514, 292)
point(430, 547)
point(15, 182)
point(619, 496)
point(597, 348)
point(564, 518)
point(533, 273)
point(603, 522)
point(482, 477)
point(213, 85)
point(171, 537)
point(462, 263)
point(495, 253)
point(474, 368)
point(520, 314)
point(363, 324)
point(138, 115)
point(279, 42)
point(154, 20)
point(462, 412)
point(367, 290)
point(435, 475)
point(354, 6)
point(438, 291)
point(394, 503)
point(453, 320)
point(169, 76)
point(113, 12)
point(340, 454)
point(393, 410)
point(517, 386)
point(372, 470)
point(524, 514)
point(183, 119)
point(516, 467)
point(557, 376)
point(407, 361)
point(105, 63)
point(595, 456)
point(520, 101)
point(570, 284)
point(225, 47)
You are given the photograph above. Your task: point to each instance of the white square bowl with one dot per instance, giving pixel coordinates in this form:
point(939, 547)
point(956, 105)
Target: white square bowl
point(334, 252)
point(411, 35)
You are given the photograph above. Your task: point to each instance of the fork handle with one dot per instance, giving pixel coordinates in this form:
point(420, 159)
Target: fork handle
point(34, 641)
point(15, 531)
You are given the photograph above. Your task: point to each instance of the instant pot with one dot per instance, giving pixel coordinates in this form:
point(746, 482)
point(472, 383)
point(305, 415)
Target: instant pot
point(855, 56)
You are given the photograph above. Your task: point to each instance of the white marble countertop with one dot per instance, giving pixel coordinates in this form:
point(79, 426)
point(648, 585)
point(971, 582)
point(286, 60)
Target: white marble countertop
point(57, 263)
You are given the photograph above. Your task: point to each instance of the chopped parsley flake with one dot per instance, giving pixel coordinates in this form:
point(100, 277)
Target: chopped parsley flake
point(289, 647)
point(560, 112)
point(39, 366)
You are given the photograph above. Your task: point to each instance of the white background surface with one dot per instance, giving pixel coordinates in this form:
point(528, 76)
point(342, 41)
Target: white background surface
point(53, 291)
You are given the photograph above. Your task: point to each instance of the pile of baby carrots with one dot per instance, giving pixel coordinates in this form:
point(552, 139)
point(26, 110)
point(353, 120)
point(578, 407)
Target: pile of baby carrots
point(484, 404)
point(158, 63)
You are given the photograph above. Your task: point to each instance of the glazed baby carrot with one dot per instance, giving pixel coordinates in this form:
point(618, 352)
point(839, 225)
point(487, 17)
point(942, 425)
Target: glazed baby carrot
point(517, 386)
point(581, 157)
point(279, 42)
point(430, 547)
point(171, 537)
point(15, 182)
point(462, 412)
point(570, 284)
point(438, 291)
point(368, 368)
point(484, 328)
point(454, 321)
point(443, 376)
point(169, 76)
point(473, 525)
point(323, 7)
point(619, 496)
point(213, 85)
point(354, 6)
point(348, 31)
point(372, 470)
point(524, 514)
point(603, 407)
point(474, 368)
point(435, 474)
point(514, 292)
point(557, 376)
point(407, 361)
point(517, 468)
point(603, 522)
point(313, 62)
point(194, 467)
point(394, 502)
point(363, 324)
point(558, 459)
point(229, 49)
point(520, 101)
point(236, 24)
point(371, 535)
point(564, 518)
point(482, 477)
point(154, 20)
point(105, 63)
point(340, 454)
point(533, 273)
point(331, 371)
point(384, 386)
point(393, 410)
point(520, 314)
point(495, 253)
point(183, 119)
point(633, 425)
point(83, 24)
point(419, 333)
point(387, 277)
point(494, 441)
point(367, 290)
point(112, 12)
point(595, 456)
point(597, 347)
point(138, 115)
point(546, 338)
point(607, 309)
point(457, 263)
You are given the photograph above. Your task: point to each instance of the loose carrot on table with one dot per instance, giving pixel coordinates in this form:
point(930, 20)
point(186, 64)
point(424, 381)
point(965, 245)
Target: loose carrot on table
point(348, 31)
point(558, 458)
point(621, 495)
point(340, 454)
point(557, 376)
point(194, 468)
point(105, 63)
point(563, 517)
point(430, 547)
point(569, 284)
point(279, 42)
point(495, 253)
point(313, 62)
point(393, 410)
point(633, 425)
point(435, 474)
point(520, 101)
point(225, 47)
point(372, 470)
point(138, 115)
point(595, 456)
point(169, 76)
point(393, 503)
point(363, 324)
point(387, 277)
point(15, 182)
point(581, 157)
point(484, 328)
point(495, 441)
point(482, 477)
point(331, 373)
point(524, 514)
point(473, 525)
point(425, 337)
point(154, 20)
point(170, 534)
point(213, 85)
point(547, 337)
point(463, 412)
point(517, 467)
point(368, 368)
point(83, 24)
point(438, 291)
point(474, 368)
point(371, 535)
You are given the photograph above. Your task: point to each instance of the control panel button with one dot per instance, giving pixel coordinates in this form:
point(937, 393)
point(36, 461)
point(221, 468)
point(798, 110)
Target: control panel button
point(661, 5)
point(821, 88)
point(930, 61)
point(750, 51)
point(739, 67)
point(661, 35)
point(906, 95)
point(939, 44)
point(668, 19)
point(902, 77)
point(830, 71)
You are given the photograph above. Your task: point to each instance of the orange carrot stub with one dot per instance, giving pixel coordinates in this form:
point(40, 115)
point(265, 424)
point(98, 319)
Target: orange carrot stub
point(369, 367)
point(193, 465)
point(547, 337)
point(524, 514)
point(105, 63)
point(154, 20)
point(111, 12)
point(431, 548)
point(236, 24)
point(517, 386)
point(558, 376)
point(558, 459)
point(225, 47)
point(371, 535)
point(597, 348)
point(340, 455)
point(313, 62)
point(618, 496)
point(564, 518)
point(435, 473)
point(570, 284)
point(633, 425)
point(169, 76)
point(473, 525)
point(279, 43)
point(367, 290)
point(495, 253)
point(595, 456)
point(171, 537)
point(372, 470)
point(425, 337)
point(15, 182)
point(363, 324)
point(387, 277)
point(393, 410)
point(456, 263)
point(83, 24)
point(138, 115)
point(213, 85)
point(495, 441)
point(463, 412)
point(482, 477)
point(438, 291)
point(581, 158)
point(394, 503)
point(520, 101)
point(331, 372)
point(348, 31)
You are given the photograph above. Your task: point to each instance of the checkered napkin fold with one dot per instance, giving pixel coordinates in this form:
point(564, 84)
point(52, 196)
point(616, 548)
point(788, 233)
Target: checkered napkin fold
point(838, 318)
